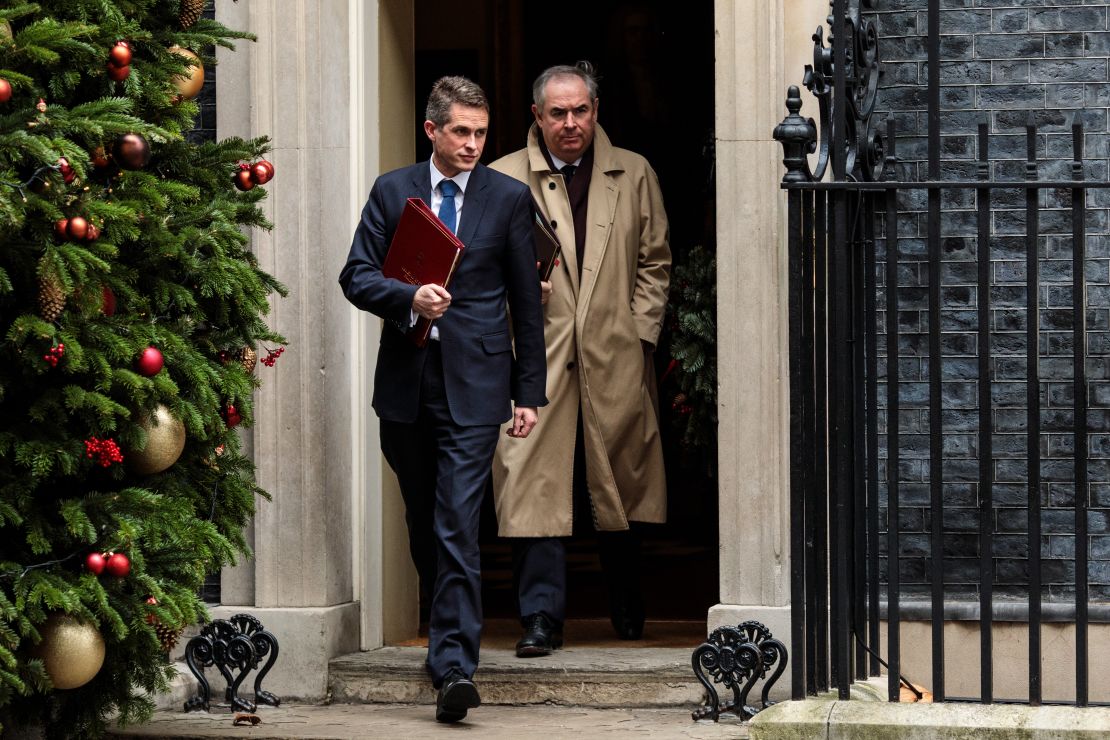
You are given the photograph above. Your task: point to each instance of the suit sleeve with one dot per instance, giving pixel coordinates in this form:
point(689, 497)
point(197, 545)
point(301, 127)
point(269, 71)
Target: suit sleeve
point(529, 375)
point(361, 279)
point(653, 269)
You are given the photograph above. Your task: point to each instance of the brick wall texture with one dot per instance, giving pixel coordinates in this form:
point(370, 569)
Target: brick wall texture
point(1001, 61)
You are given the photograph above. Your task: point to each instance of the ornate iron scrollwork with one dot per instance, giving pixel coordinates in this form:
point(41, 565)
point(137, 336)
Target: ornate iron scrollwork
point(862, 142)
point(235, 647)
point(737, 657)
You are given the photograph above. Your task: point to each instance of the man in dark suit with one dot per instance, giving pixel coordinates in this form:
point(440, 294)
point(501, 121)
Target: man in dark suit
point(441, 406)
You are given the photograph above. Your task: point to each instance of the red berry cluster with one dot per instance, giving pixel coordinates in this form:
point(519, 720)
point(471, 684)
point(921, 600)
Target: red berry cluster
point(679, 405)
point(271, 356)
point(104, 451)
point(54, 354)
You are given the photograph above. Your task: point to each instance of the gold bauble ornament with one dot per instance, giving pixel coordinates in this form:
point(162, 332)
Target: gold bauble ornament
point(165, 439)
point(71, 650)
point(5, 32)
point(189, 84)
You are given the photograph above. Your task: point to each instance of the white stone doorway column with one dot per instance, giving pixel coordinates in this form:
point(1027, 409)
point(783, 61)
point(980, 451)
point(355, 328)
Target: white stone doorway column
point(762, 46)
point(331, 83)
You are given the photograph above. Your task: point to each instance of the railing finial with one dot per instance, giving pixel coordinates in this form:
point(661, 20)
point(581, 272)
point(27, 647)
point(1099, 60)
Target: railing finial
point(798, 137)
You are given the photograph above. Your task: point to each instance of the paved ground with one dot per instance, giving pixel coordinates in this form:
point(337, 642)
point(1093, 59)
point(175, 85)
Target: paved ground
point(409, 722)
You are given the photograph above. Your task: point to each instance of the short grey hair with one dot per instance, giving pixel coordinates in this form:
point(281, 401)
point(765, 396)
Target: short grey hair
point(450, 90)
point(583, 70)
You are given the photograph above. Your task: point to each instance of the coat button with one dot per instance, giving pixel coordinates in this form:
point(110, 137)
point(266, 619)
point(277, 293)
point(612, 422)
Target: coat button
point(554, 224)
point(551, 186)
point(570, 365)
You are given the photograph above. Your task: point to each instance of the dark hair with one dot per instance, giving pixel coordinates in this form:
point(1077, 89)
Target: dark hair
point(583, 70)
point(450, 90)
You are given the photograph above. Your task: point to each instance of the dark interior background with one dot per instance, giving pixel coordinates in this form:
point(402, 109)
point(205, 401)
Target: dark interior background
point(655, 62)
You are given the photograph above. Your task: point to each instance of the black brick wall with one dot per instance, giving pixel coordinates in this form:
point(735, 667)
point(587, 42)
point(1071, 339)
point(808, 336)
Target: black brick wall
point(1001, 61)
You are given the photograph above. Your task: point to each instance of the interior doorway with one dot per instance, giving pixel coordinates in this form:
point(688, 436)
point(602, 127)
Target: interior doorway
point(656, 66)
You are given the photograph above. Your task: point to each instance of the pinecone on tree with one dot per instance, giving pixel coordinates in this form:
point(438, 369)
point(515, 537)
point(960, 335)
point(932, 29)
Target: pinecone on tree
point(248, 358)
point(167, 636)
point(190, 11)
point(51, 298)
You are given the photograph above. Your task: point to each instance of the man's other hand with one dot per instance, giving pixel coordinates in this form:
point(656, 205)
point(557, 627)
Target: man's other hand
point(545, 288)
point(524, 419)
point(431, 301)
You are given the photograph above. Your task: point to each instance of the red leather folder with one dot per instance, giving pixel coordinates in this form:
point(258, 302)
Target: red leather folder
point(423, 250)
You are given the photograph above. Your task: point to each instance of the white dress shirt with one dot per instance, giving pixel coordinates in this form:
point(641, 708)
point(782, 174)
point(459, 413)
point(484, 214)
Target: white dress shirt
point(435, 202)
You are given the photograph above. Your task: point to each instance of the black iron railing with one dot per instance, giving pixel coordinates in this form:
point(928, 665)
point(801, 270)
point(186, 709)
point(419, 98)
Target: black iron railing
point(839, 213)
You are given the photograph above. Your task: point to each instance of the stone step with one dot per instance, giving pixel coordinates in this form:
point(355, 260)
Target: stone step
point(573, 676)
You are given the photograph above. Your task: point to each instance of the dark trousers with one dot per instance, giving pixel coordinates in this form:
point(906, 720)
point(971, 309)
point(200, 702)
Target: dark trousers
point(540, 563)
point(443, 469)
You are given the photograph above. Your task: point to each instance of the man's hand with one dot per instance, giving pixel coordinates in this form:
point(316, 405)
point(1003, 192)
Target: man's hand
point(545, 288)
point(431, 301)
point(524, 419)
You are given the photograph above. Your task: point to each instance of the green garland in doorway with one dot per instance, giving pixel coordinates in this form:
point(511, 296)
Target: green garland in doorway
point(692, 370)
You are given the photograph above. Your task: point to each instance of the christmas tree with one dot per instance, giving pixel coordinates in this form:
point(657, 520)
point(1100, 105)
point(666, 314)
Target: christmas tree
point(130, 313)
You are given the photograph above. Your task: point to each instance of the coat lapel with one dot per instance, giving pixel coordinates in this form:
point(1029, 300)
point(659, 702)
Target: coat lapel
point(599, 222)
point(421, 183)
point(474, 203)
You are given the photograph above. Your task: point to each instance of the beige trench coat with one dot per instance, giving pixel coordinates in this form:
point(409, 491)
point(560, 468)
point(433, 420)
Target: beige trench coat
point(592, 328)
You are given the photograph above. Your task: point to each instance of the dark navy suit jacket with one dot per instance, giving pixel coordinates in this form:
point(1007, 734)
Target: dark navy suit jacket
point(497, 270)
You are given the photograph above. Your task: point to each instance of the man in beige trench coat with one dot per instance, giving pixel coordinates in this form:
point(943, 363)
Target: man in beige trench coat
point(601, 324)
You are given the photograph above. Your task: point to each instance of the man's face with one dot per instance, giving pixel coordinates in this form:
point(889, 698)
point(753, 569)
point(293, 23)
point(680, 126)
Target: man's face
point(457, 145)
point(568, 118)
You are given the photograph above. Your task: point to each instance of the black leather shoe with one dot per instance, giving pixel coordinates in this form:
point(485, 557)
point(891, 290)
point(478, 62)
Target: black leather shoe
point(626, 612)
point(457, 694)
point(540, 637)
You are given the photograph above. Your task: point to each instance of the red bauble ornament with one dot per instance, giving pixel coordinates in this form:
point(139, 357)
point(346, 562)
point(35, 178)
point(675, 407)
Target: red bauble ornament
point(232, 415)
point(94, 563)
point(93, 234)
point(118, 565)
point(131, 151)
point(60, 228)
point(77, 228)
point(120, 55)
point(262, 172)
point(5, 90)
point(108, 302)
point(66, 169)
point(119, 74)
point(150, 362)
point(100, 157)
point(243, 180)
